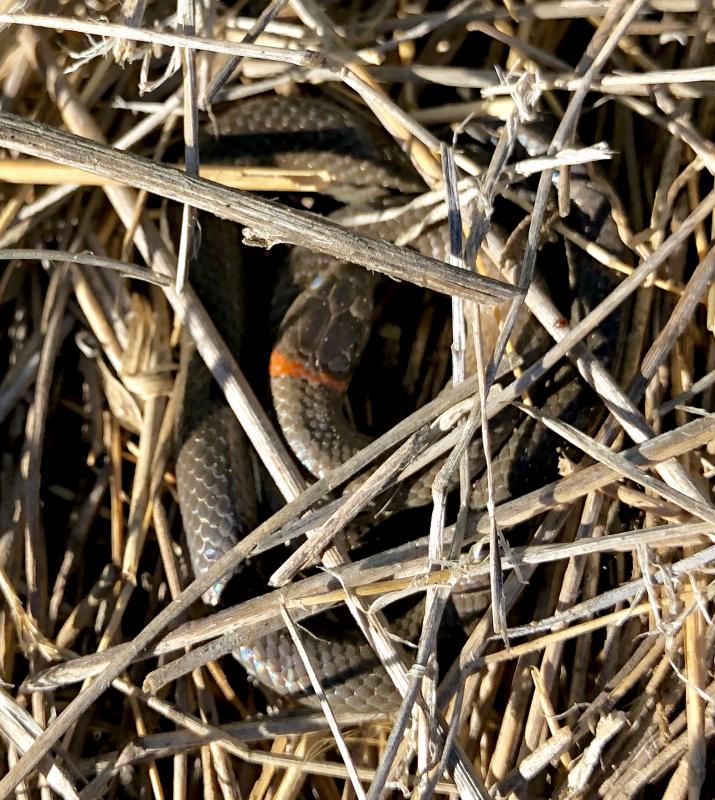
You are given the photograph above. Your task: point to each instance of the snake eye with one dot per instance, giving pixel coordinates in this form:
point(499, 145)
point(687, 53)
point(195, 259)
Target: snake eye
point(317, 282)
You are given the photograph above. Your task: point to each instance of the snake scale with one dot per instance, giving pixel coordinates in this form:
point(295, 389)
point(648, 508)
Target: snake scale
point(319, 344)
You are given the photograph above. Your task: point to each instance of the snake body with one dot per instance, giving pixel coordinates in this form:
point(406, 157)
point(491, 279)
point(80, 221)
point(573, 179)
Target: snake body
point(319, 344)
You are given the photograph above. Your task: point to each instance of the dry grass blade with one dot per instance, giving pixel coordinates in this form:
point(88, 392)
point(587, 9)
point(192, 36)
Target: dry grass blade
point(265, 223)
point(325, 705)
point(20, 729)
point(265, 179)
point(128, 270)
point(98, 28)
point(320, 538)
point(566, 641)
point(604, 456)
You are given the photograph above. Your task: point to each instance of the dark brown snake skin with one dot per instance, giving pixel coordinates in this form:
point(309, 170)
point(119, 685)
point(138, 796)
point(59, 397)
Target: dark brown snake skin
point(319, 345)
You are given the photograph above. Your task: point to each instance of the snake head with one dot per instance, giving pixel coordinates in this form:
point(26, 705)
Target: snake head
point(327, 327)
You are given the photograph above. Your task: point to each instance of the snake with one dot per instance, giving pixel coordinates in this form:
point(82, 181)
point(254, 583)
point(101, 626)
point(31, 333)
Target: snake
point(320, 343)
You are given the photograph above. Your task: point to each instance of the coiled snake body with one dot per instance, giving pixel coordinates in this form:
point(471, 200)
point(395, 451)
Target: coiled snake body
point(319, 345)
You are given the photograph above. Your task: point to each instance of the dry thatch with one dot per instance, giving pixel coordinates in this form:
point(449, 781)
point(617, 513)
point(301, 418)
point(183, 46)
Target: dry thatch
point(598, 681)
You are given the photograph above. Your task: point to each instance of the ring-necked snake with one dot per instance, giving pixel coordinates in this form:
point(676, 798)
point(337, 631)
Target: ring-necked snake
point(320, 342)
